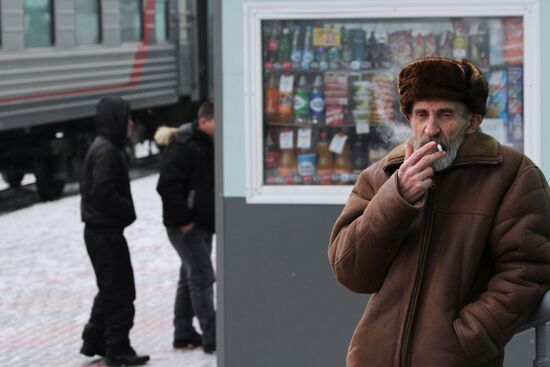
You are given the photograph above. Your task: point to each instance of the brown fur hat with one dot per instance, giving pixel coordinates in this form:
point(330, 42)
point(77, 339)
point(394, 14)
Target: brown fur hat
point(441, 78)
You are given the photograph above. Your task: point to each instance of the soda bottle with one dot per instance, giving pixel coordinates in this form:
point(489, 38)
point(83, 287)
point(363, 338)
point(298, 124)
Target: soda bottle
point(460, 40)
point(317, 101)
point(308, 55)
point(296, 51)
point(284, 46)
point(374, 50)
point(306, 157)
point(287, 160)
point(321, 57)
point(347, 52)
point(342, 165)
point(273, 43)
point(286, 98)
point(301, 99)
point(325, 164)
point(271, 153)
point(271, 99)
point(358, 41)
point(360, 155)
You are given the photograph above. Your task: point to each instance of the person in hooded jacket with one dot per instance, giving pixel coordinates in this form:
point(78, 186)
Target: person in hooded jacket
point(449, 232)
point(186, 186)
point(106, 209)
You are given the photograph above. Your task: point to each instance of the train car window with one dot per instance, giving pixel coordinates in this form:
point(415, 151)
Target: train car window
point(183, 20)
point(131, 20)
point(38, 23)
point(161, 21)
point(87, 24)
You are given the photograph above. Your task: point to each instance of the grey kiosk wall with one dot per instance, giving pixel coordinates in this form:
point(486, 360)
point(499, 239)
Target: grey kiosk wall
point(277, 300)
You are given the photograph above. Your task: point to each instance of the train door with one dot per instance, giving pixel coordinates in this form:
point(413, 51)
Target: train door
point(195, 43)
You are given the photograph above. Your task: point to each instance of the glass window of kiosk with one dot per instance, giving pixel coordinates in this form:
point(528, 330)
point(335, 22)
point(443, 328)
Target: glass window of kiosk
point(330, 101)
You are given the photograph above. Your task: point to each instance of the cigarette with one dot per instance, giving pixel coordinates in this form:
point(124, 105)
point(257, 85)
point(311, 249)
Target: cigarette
point(439, 147)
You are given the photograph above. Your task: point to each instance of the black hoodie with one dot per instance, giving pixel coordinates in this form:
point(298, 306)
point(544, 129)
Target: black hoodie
point(186, 180)
point(104, 181)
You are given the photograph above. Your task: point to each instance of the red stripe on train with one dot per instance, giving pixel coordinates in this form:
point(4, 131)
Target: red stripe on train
point(135, 73)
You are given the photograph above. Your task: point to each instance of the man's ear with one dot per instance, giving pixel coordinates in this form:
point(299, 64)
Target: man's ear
point(475, 121)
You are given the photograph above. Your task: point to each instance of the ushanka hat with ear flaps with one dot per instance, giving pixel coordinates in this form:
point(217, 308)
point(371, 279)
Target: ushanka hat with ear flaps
point(444, 79)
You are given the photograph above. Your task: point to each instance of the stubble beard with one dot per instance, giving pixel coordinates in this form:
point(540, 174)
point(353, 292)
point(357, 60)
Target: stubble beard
point(451, 148)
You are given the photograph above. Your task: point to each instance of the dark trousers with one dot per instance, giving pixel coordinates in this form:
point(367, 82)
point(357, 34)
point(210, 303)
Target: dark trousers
point(194, 296)
point(113, 311)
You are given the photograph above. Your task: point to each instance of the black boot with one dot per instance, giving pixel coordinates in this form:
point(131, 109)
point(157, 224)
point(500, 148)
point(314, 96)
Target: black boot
point(125, 357)
point(94, 342)
point(195, 340)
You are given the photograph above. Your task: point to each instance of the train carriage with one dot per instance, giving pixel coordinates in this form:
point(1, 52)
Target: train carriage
point(59, 57)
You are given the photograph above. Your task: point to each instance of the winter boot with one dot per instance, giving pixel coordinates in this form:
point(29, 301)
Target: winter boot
point(94, 342)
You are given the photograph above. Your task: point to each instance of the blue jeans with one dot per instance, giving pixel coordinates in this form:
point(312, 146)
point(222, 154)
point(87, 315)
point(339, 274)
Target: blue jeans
point(194, 296)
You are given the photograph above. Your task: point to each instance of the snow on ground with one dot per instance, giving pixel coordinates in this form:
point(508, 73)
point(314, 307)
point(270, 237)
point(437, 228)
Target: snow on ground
point(47, 285)
point(27, 179)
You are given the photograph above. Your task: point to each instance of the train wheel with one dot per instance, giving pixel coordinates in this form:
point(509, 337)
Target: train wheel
point(13, 178)
point(49, 187)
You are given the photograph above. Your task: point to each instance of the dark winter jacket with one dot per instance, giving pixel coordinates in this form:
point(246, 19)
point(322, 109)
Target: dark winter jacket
point(186, 181)
point(455, 276)
point(104, 182)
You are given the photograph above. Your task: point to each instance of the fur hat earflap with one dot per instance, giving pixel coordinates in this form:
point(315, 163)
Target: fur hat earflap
point(444, 79)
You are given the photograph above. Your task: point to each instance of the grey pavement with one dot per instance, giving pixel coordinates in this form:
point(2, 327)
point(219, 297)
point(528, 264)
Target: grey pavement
point(47, 285)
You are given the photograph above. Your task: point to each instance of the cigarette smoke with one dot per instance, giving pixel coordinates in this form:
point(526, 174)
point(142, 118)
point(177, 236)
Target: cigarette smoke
point(394, 133)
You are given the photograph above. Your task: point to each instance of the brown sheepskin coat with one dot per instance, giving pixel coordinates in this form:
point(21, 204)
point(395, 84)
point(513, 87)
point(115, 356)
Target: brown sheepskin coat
point(453, 277)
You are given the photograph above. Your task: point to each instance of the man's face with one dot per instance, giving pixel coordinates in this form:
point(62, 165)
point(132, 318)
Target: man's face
point(445, 122)
point(207, 126)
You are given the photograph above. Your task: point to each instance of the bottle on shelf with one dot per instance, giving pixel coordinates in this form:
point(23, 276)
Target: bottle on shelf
point(301, 100)
point(287, 159)
point(317, 101)
point(321, 56)
point(359, 49)
point(286, 99)
point(325, 163)
point(273, 43)
point(342, 164)
point(296, 50)
point(374, 53)
point(271, 153)
point(347, 51)
point(284, 46)
point(306, 157)
point(460, 40)
point(271, 107)
point(360, 155)
point(308, 54)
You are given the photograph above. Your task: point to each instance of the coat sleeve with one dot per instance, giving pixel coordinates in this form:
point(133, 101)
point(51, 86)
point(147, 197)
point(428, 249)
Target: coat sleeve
point(520, 247)
point(106, 173)
point(368, 234)
point(173, 184)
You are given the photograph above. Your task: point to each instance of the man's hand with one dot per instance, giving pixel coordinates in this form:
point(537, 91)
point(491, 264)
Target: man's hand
point(187, 228)
point(415, 174)
point(164, 135)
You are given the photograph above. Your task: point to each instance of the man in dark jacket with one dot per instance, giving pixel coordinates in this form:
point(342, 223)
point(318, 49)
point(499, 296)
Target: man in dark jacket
point(107, 208)
point(186, 185)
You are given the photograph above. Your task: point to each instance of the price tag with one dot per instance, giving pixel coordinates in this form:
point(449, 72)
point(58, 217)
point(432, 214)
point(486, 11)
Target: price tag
point(304, 138)
point(337, 143)
point(287, 83)
point(362, 127)
point(286, 140)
